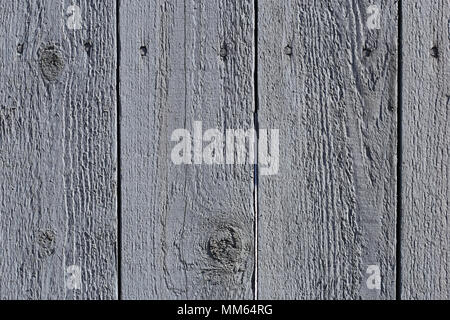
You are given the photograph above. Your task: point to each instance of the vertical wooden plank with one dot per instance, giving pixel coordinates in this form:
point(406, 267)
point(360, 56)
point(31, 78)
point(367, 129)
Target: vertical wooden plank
point(425, 180)
point(57, 150)
point(187, 230)
point(329, 84)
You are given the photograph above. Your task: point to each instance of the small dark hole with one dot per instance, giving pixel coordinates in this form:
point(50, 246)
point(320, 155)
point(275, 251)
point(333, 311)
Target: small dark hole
point(288, 50)
point(20, 48)
point(223, 52)
point(367, 52)
point(87, 46)
point(435, 52)
point(143, 51)
point(390, 107)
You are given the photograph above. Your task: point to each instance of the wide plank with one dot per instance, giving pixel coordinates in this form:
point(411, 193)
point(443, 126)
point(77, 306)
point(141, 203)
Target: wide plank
point(327, 221)
point(425, 229)
point(187, 230)
point(58, 162)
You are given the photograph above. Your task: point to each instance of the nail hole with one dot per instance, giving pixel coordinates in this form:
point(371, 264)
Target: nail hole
point(390, 107)
point(223, 52)
point(288, 50)
point(87, 46)
point(367, 52)
point(143, 51)
point(435, 52)
point(20, 48)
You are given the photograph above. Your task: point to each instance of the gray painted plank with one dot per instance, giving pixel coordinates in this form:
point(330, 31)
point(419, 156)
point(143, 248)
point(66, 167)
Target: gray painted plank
point(187, 230)
point(425, 228)
point(57, 150)
point(331, 210)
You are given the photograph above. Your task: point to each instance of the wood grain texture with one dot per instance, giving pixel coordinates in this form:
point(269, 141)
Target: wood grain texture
point(331, 210)
point(425, 227)
point(187, 230)
point(326, 81)
point(57, 150)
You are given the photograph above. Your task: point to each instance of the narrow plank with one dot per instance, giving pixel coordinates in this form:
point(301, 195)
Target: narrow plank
point(425, 180)
point(187, 230)
point(329, 84)
point(57, 151)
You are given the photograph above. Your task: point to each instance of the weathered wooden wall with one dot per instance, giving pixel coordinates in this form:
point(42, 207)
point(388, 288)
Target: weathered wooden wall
point(86, 176)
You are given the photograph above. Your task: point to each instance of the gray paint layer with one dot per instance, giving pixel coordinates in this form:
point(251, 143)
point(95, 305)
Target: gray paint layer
point(329, 84)
point(187, 230)
point(326, 81)
point(425, 228)
point(57, 150)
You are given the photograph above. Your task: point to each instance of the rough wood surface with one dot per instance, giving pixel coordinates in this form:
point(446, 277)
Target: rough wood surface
point(57, 150)
point(314, 71)
point(425, 229)
point(329, 84)
point(187, 230)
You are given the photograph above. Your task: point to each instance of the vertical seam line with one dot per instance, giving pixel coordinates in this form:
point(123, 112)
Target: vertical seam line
point(398, 291)
point(118, 152)
point(256, 125)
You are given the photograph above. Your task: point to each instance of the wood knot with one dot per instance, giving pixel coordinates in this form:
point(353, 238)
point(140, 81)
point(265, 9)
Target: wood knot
point(51, 62)
point(225, 245)
point(46, 240)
